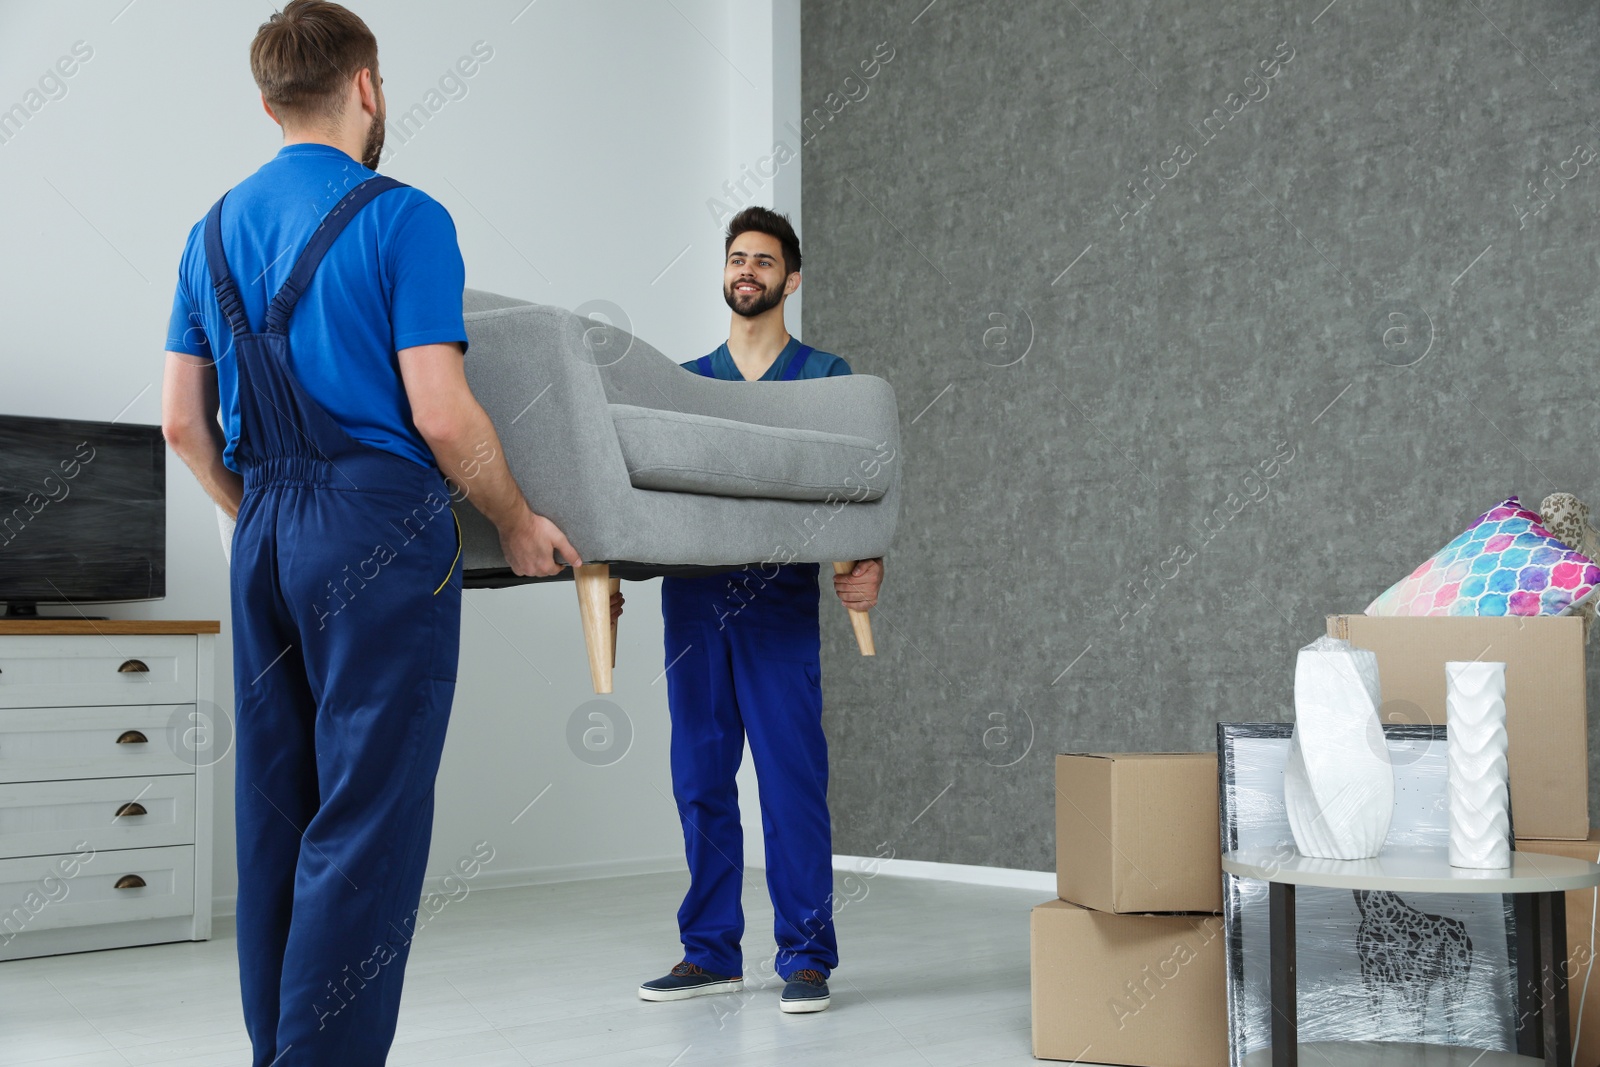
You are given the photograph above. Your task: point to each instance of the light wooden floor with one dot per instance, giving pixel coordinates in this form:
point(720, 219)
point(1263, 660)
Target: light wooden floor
point(933, 974)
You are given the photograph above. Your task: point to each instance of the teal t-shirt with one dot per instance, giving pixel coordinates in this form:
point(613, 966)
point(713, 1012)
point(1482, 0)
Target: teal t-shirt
point(818, 364)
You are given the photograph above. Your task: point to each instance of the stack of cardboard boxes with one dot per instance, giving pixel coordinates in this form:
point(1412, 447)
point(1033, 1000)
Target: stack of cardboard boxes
point(1128, 965)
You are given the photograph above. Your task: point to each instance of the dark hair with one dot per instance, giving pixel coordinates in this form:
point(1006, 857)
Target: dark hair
point(769, 222)
point(303, 56)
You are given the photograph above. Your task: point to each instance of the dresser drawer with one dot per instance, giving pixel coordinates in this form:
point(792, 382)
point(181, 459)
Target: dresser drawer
point(47, 671)
point(51, 892)
point(46, 818)
point(47, 744)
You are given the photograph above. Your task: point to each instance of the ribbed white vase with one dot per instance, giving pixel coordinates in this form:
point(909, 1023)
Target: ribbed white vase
point(1480, 818)
point(1338, 783)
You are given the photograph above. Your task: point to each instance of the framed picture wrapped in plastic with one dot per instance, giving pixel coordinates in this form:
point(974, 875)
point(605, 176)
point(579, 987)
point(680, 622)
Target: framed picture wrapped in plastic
point(1371, 966)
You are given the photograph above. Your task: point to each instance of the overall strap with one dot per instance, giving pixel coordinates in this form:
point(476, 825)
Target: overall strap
point(222, 278)
point(704, 365)
point(796, 362)
point(333, 224)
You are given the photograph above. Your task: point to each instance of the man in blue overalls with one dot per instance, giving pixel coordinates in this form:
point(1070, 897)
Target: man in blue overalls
point(746, 665)
point(342, 398)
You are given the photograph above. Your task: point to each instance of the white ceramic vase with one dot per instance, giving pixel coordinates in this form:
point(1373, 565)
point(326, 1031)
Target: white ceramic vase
point(1480, 816)
point(1338, 783)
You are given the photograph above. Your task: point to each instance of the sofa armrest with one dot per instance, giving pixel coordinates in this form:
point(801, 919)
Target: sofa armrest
point(549, 408)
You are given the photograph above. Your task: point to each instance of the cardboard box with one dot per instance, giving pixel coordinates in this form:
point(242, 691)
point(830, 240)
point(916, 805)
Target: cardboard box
point(1581, 946)
point(1148, 990)
point(1546, 717)
point(1138, 832)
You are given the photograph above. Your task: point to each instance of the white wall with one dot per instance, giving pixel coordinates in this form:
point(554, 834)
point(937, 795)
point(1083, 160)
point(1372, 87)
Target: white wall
point(577, 166)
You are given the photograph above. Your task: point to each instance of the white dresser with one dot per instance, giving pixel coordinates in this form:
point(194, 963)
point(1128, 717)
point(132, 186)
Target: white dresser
point(108, 735)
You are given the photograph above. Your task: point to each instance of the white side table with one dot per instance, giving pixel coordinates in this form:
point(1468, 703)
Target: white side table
point(1538, 885)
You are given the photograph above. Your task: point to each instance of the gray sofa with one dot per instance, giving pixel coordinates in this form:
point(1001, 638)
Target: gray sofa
point(650, 469)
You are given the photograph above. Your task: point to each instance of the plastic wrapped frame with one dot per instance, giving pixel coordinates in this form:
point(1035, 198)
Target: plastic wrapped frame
point(1426, 967)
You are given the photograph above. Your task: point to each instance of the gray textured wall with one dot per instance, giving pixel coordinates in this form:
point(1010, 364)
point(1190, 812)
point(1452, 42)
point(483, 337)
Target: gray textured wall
point(1336, 333)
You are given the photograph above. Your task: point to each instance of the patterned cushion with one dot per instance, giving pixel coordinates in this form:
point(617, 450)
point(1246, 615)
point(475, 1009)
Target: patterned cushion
point(1505, 563)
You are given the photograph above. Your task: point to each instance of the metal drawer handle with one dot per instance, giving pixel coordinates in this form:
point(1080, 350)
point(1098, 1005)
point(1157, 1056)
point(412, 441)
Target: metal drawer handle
point(129, 881)
point(134, 666)
point(133, 807)
point(132, 737)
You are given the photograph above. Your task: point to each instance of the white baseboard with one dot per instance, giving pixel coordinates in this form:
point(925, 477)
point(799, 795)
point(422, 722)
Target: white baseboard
point(489, 878)
point(1003, 877)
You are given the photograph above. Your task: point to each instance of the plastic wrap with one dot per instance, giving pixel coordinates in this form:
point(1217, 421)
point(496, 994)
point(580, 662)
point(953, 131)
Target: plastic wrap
point(1425, 967)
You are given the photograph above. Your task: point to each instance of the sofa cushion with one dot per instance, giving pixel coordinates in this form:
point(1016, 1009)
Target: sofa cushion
point(674, 451)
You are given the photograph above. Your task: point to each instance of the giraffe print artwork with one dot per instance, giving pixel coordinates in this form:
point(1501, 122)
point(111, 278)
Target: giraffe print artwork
point(1409, 956)
point(1431, 968)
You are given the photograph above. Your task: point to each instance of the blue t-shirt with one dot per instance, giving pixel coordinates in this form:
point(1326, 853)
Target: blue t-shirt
point(392, 280)
point(766, 596)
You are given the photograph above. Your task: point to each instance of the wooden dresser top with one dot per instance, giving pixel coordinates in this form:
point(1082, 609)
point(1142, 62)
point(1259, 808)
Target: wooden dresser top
point(121, 627)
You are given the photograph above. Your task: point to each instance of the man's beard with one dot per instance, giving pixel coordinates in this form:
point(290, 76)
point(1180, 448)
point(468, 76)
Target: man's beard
point(750, 305)
point(372, 152)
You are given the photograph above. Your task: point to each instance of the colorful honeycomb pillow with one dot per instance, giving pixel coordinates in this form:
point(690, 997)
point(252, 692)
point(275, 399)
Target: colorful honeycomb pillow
point(1505, 563)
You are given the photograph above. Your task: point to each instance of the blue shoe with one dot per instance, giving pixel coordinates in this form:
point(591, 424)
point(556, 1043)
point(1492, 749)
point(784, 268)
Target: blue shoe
point(805, 991)
point(686, 980)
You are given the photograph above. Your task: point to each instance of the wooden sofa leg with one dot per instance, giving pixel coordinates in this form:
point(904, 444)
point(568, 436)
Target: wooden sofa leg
point(594, 605)
point(858, 619)
point(616, 587)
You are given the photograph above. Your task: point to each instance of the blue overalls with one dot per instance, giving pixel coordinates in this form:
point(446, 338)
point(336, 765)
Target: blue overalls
point(743, 652)
point(346, 595)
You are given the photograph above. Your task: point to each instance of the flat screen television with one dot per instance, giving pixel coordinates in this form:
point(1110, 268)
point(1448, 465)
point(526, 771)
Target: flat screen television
point(83, 513)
